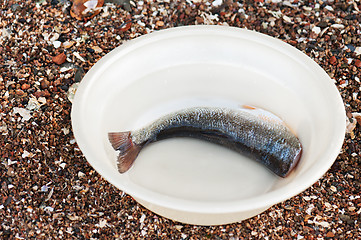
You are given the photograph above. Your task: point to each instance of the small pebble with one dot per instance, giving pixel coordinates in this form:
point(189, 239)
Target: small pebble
point(25, 86)
point(217, 3)
point(338, 26)
point(44, 188)
point(333, 60)
point(56, 44)
point(71, 91)
point(329, 8)
point(79, 74)
point(287, 19)
point(19, 92)
point(178, 227)
point(351, 47)
point(85, 9)
point(357, 63)
point(59, 59)
point(316, 30)
point(44, 84)
point(159, 23)
point(33, 104)
point(68, 44)
point(77, 55)
point(81, 174)
point(97, 49)
point(358, 50)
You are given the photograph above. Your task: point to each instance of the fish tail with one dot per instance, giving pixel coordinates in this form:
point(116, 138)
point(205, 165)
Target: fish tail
point(128, 150)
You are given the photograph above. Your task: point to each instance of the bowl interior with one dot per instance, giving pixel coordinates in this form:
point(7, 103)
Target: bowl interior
point(203, 66)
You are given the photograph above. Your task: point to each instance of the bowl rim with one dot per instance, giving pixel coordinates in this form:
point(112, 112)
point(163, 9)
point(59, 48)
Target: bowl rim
point(265, 200)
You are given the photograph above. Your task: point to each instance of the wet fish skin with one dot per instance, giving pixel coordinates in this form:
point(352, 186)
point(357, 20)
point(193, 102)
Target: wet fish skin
point(264, 139)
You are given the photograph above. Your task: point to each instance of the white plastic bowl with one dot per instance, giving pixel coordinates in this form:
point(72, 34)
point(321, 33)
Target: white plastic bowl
point(189, 180)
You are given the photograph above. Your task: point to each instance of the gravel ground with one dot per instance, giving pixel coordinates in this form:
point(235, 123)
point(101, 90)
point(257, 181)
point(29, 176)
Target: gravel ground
point(49, 191)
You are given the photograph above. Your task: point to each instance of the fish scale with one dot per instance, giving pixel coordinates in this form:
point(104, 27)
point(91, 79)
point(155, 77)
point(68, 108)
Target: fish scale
point(261, 137)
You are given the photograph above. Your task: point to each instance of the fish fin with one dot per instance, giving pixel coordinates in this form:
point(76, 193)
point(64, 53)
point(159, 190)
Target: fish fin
point(119, 139)
point(264, 115)
point(128, 150)
point(248, 107)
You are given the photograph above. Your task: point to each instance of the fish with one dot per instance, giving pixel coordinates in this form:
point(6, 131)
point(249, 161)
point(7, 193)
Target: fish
point(252, 132)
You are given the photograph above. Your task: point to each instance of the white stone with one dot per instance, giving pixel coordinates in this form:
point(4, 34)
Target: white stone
point(316, 30)
point(329, 8)
point(56, 44)
point(217, 3)
point(24, 113)
point(338, 26)
point(358, 51)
